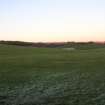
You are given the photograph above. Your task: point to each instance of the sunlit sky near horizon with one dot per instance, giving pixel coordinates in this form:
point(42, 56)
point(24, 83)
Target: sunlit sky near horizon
point(52, 20)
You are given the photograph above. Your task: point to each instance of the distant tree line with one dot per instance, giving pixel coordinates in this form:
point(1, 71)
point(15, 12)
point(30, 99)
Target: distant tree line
point(52, 45)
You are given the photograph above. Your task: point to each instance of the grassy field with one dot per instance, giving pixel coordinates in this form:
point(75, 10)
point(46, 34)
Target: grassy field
point(51, 76)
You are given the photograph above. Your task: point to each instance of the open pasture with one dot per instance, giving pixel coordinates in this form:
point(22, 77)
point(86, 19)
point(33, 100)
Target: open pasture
point(51, 76)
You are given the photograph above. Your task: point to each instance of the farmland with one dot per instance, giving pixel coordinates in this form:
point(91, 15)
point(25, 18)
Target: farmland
point(52, 76)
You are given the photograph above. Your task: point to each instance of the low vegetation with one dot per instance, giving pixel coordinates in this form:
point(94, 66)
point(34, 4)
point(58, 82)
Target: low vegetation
point(45, 76)
point(77, 45)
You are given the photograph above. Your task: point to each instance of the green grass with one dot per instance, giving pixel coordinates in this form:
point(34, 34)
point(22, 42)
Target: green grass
point(51, 76)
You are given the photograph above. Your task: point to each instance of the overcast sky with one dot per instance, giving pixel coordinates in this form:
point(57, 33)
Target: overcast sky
point(52, 20)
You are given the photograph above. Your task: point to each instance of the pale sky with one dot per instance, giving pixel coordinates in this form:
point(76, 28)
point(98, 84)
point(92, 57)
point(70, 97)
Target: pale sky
point(52, 20)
